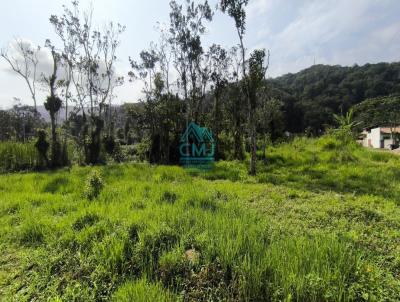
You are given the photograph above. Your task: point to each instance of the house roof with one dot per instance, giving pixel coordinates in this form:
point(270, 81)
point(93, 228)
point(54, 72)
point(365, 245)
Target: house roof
point(385, 130)
point(388, 130)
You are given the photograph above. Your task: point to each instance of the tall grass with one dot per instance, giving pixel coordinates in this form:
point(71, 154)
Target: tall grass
point(16, 156)
point(324, 164)
point(166, 234)
point(143, 291)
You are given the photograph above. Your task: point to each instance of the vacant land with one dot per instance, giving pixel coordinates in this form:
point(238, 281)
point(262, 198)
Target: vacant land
point(321, 222)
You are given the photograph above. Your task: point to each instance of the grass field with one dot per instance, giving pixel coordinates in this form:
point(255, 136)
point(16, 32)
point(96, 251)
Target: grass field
point(320, 222)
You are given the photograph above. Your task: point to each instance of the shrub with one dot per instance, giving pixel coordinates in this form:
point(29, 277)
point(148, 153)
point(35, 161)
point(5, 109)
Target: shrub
point(329, 143)
point(127, 153)
point(142, 150)
point(94, 185)
point(42, 146)
point(109, 144)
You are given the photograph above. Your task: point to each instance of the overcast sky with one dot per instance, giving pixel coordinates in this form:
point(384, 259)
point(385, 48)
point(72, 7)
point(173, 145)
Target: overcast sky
point(297, 32)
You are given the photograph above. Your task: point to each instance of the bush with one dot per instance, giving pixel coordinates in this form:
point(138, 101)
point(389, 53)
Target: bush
point(42, 146)
point(94, 185)
point(109, 144)
point(142, 150)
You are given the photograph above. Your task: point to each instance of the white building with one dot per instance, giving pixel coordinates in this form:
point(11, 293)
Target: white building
point(379, 138)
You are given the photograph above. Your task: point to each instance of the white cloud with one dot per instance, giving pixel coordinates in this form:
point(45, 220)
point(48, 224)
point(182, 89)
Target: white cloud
point(259, 7)
point(296, 32)
point(332, 32)
point(43, 56)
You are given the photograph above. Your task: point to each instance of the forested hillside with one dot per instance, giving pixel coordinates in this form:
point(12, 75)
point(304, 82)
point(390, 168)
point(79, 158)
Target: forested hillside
point(312, 95)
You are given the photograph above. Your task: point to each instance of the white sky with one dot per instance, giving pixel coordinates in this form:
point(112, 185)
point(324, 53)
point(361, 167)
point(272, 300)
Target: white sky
point(296, 32)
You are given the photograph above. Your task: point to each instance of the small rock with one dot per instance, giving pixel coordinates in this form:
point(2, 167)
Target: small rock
point(192, 255)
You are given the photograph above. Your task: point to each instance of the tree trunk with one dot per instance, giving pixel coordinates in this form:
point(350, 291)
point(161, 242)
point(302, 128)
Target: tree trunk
point(253, 142)
point(53, 140)
point(264, 156)
point(238, 144)
point(216, 126)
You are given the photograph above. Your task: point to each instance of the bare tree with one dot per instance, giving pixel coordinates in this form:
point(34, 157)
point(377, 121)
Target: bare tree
point(252, 81)
point(53, 104)
point(234, 103)
point(236, 10)
point(90, 56)
point(258, 65)
point(24, 62)
point(219, 75)
point(163, 50)
point(186, 28)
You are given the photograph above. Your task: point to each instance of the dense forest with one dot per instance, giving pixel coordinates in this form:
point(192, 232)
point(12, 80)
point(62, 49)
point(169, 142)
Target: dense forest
point(311, 96)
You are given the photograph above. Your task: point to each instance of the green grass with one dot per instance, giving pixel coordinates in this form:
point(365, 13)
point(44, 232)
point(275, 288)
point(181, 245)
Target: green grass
point(15, 156)
point(318, 223)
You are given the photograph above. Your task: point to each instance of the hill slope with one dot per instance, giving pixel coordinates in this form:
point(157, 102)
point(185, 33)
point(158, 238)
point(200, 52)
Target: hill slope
point(313, 94)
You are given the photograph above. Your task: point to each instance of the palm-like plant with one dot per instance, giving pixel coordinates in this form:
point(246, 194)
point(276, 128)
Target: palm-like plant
point(346, 125)
point(346, 121)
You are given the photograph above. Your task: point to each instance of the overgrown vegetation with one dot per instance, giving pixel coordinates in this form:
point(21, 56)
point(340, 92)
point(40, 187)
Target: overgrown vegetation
point(16, 156)
point(184, 80)
point(315, 224)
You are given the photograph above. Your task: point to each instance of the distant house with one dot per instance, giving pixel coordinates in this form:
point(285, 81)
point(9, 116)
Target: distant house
point(380, 137)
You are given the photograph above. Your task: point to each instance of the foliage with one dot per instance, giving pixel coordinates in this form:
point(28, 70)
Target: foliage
point(42, 146)
point(53, 105)
point(94, 185)
point(235, 9)
point(88, 56)
point(19, 123)
point(312, 95)
point(254, 82)
point(346, 128)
